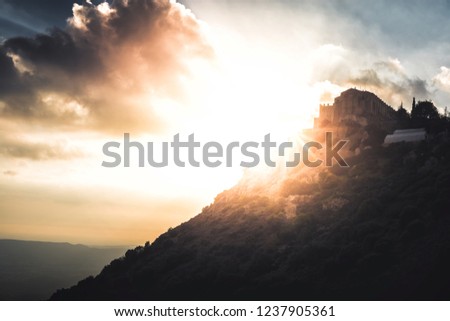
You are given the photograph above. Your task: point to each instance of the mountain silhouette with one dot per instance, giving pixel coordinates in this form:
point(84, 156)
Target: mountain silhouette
point(377, 229)
point(34, 270)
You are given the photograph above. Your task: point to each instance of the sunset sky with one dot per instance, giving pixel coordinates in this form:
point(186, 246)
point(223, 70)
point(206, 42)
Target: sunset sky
point(74, 76)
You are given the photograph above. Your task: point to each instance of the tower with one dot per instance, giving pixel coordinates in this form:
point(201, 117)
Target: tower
point(413, 104)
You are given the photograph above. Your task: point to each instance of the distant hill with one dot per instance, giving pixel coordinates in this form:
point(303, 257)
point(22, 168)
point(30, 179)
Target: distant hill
point(34, 270)
point(378, 230)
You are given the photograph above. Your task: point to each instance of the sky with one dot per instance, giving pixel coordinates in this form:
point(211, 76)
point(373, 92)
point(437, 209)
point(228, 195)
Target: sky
point(76, 75)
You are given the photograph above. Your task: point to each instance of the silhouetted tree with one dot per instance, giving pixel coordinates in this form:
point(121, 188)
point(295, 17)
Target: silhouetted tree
point(402, 114)
point(424, 110)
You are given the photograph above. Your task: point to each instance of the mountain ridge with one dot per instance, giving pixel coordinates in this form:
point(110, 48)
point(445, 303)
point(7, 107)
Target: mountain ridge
point(32, 270)
point(356, 233)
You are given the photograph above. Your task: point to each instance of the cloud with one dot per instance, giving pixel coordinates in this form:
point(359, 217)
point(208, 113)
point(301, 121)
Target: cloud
point(105, 68)
point(9, 173)
point(331, 62)
point(388, 79)
point(36, 151)
point(442, 79)
point(385, 77)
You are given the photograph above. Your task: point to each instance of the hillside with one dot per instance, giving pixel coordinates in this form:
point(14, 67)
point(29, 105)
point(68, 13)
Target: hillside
point(376, 230)
point(34, 270)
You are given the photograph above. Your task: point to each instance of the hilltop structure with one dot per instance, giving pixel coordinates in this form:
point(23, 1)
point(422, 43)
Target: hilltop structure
point(355, 107)
point(358, 116)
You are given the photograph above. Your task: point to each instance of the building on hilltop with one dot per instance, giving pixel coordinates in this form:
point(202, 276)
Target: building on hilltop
point(362, 107)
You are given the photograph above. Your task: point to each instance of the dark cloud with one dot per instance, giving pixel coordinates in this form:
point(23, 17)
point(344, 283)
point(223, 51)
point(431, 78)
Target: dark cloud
point(98, 69)
point(387, 79)
point(56, 51)
point(419, 87)
point(9, 74)
point(15, 93)
point(368, 77)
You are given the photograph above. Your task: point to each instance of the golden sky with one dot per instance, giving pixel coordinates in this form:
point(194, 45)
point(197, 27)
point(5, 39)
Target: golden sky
point(224, 71)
